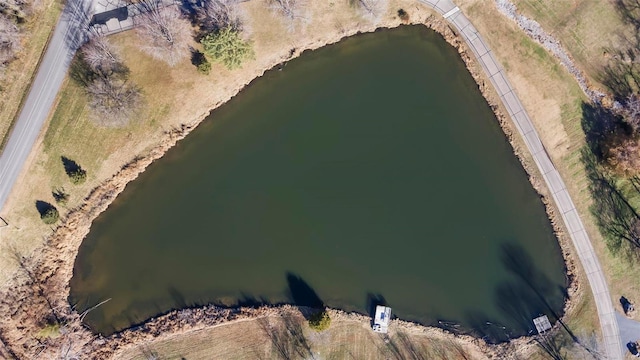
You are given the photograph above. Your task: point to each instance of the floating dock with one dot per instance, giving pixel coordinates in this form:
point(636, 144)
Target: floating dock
point(382, 318)
point(542, 324)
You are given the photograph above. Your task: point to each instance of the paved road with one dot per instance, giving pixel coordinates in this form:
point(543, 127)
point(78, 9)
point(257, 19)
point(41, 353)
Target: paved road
point(67, 36)
point(608, 322)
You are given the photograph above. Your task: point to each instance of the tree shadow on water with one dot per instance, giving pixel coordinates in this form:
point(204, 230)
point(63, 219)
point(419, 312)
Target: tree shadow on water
point(533, 293)
point(519, 263)
point(248, 300)
point(301, 294)
point(178, 298)
point(374, 300)
point(528, 294)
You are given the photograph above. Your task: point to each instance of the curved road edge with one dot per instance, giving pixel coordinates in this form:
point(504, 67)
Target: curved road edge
point(584, 248)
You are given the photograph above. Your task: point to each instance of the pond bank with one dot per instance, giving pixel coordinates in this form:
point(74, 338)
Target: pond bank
point(53, 270)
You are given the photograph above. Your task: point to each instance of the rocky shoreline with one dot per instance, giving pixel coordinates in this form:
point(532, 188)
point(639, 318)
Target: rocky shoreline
point(39, 295)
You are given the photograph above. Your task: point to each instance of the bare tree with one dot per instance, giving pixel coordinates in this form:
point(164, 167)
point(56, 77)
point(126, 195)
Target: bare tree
point(28, 267)
point(15, 9)
point(100, 55)
point(112, 98)
point(164, 33)
point(624, 155)
point(9, 40)
point(371, 9)
point(632, 111)
point(293, 12)
point(219, 14)
point(113, 101)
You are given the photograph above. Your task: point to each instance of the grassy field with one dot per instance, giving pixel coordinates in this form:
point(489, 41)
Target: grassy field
point(266, 338)
point(588, 29)
point(592, 31)
point(180, 95)
point(17, 77)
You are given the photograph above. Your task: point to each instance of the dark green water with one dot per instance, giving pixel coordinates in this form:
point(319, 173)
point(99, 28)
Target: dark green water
point(371, 169)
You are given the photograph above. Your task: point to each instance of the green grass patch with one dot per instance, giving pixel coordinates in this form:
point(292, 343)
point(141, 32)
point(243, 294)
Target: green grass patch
point(50, 331)
point(320, 321)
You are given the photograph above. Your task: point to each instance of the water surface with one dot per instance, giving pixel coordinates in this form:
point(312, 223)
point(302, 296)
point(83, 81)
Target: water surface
point(370, 170)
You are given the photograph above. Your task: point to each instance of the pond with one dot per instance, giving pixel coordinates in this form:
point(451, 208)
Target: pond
point(368, 171)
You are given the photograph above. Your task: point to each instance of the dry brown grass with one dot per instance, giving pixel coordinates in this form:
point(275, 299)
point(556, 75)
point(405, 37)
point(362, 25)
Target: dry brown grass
point(17, 78)
point(587, 29)
point(345, 339)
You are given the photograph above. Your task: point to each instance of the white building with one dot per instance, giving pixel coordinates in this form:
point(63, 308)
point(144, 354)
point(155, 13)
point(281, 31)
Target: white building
point(381, 321)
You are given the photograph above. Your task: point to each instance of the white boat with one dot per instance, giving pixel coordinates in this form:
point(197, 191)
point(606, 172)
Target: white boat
point(381, 321)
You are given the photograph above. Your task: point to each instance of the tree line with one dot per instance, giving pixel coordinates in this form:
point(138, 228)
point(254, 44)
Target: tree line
point(12, 13)
point(612, 128)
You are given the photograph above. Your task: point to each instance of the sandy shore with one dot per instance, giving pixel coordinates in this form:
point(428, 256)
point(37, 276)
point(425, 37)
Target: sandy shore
point(40, 294)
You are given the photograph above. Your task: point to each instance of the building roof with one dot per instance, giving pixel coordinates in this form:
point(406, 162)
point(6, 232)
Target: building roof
point(382, 318)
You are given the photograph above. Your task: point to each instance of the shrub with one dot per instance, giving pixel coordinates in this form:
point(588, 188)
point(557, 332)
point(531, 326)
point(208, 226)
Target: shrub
point(73, 170)
point(200, 61)
point(78, 176)
point(227, 47)
point(320, 320)
point(403, 15)
point(164, 33)
point(60, 196)
point(49, 331)
point(50, 216)
point(204, 68)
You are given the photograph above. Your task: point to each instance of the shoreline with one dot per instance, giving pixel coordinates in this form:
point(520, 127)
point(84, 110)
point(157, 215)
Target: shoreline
point(54, 268)
point(206, 317)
